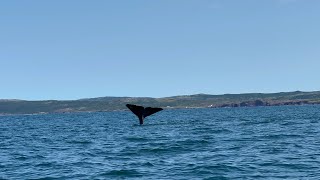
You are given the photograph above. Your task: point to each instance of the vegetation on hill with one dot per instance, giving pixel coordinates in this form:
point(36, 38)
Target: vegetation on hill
point(187, 101)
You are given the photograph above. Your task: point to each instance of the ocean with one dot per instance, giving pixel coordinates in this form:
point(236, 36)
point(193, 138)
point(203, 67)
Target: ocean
point(224, 143)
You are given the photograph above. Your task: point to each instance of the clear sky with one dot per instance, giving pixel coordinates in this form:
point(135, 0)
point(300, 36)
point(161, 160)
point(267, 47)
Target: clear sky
point(70, 49)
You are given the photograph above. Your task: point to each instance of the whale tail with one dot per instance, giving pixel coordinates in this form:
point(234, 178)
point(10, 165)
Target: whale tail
point(142, 112)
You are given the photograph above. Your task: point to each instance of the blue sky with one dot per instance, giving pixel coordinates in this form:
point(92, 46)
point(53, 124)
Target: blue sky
point(76, 49)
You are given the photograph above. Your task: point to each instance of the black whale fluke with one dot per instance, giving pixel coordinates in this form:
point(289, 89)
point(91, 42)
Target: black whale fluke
point(142, 112)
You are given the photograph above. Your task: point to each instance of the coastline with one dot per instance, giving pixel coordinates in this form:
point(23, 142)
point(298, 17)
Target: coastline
point(171, 108)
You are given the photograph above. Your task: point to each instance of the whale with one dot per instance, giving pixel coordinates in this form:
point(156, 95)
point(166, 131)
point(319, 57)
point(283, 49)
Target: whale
point(142, 112)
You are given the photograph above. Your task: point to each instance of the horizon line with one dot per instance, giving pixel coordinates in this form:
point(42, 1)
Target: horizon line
point(79, 99)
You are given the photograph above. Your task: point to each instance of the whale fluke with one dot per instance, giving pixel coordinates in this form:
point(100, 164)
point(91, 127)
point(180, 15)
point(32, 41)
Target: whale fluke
point(142, 112)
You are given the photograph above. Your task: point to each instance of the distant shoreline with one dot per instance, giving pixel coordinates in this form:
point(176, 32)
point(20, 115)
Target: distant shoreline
point(107, 104)
point(123, 110)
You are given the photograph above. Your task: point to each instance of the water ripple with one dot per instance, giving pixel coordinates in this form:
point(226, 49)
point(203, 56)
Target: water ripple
point(237, 143)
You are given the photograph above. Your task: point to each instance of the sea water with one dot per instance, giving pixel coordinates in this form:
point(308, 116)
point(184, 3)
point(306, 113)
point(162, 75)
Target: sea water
point(226, 143)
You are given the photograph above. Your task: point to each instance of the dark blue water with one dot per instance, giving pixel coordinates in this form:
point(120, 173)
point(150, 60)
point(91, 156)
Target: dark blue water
point(244, 143)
